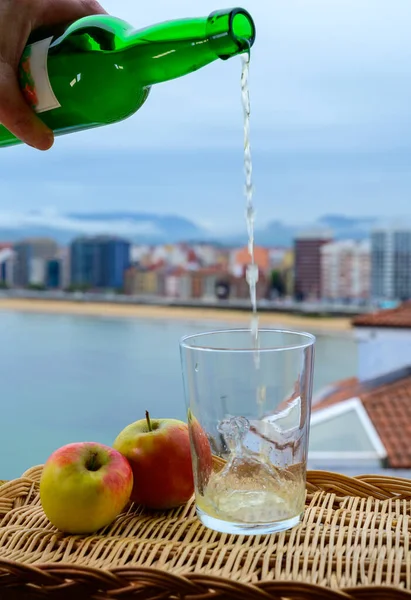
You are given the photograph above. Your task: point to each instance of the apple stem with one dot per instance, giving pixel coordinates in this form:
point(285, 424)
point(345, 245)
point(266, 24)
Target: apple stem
point(150, 427)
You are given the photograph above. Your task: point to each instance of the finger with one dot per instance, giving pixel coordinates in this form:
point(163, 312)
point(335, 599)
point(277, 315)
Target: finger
point(61, 11)
point(17, 116)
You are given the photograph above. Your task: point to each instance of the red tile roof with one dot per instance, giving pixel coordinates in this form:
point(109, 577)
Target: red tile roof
point(261, 257)
point(393, 317)
point(389, 408)
point(160, 264)
point(340, 391)
point(192, 256)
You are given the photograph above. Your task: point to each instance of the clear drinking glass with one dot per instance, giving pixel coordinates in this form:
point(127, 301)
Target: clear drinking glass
point(249, 414)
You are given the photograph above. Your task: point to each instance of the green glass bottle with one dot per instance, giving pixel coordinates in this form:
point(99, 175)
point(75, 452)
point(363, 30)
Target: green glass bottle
point(100, 70)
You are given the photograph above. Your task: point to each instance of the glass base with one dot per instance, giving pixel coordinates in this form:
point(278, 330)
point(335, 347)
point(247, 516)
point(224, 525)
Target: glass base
point(246, 528)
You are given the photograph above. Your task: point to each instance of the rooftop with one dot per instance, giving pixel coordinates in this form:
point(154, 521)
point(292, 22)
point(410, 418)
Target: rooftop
point(261, 257)
point(388, 406)
point(399, 317)
point(339, 245)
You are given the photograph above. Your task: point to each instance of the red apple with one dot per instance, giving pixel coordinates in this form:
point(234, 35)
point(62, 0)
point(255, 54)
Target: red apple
point(84, 486)
point(158, 451)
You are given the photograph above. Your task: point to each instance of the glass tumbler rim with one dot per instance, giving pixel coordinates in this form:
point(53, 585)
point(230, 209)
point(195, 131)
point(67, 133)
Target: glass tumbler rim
point(309, 340)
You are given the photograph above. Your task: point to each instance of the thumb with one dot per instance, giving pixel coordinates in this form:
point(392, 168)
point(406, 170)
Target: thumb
point(17, 116)
point(56, 12)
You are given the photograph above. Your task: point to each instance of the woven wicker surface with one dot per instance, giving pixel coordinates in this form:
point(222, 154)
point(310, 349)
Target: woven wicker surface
point(354, 543)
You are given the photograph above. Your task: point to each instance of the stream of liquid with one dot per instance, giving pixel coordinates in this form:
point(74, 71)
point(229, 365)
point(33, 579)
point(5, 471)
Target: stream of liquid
point(252, 268)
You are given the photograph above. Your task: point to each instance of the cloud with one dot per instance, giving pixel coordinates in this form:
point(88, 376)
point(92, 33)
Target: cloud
point(330, 93)
point(50, 218)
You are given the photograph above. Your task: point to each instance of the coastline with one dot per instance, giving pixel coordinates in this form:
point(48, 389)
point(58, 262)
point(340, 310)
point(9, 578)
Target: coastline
point(277, 319)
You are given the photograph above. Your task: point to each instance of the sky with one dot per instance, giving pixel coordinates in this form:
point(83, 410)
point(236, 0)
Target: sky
point(330, 89)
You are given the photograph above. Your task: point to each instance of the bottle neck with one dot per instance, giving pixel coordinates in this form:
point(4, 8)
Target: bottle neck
point(173, 49)
point(159, 62)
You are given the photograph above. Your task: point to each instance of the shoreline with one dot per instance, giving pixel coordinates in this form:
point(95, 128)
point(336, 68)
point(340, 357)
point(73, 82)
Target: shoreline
point(275, 319)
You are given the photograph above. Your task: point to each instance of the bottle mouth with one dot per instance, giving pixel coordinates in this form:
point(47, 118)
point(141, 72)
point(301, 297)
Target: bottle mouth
point(231, 32)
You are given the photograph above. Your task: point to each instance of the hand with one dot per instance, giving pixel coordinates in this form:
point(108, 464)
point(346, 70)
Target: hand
point(18, 18)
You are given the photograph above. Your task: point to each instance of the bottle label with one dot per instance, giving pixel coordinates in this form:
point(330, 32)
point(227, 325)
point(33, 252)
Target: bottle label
point(34, 77)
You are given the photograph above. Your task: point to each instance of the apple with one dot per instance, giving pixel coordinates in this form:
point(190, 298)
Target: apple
point(158, 451)
point(84, 486)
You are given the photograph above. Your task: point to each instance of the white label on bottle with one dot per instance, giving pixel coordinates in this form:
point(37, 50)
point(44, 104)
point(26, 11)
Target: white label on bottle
point(34, 77)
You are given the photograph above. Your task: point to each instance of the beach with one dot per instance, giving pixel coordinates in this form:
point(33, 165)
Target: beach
point(277, 319)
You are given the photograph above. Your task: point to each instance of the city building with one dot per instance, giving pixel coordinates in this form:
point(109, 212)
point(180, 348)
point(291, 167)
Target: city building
point(7, 261)
point(287, 271)
point(345, 270)
point(282, 271)
point(207, 254)
point(204, 282)
point(188, 256)
point(53, 274)
point(175, 255)
point(144, 281)
point(307, 253)
point(31, 256)
point(140, 254)
point(63, 257)
point(208, 283)
point(239, 289)
point(277, 257)
point(240, 259)
point(173, 282)
point(391, 263)
point(85, 263)
point(223, 258)
point(115, 261)
point(38, 268)
point(99, 262)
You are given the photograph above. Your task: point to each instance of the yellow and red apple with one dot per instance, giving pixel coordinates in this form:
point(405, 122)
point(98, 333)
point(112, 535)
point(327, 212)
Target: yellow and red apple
point(158, 451)
point(84, 486)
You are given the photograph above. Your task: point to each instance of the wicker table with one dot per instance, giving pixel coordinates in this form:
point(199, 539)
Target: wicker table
point(354, 542)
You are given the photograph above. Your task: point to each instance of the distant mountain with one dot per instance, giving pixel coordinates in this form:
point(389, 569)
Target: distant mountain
point(344, 227)
point(138, 227)
point(149, 226)
point(156, 229)
point(172, 224)
point(277, 233)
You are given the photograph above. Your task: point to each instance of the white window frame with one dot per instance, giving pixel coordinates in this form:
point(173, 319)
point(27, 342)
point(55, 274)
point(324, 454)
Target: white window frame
point(338, 409)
